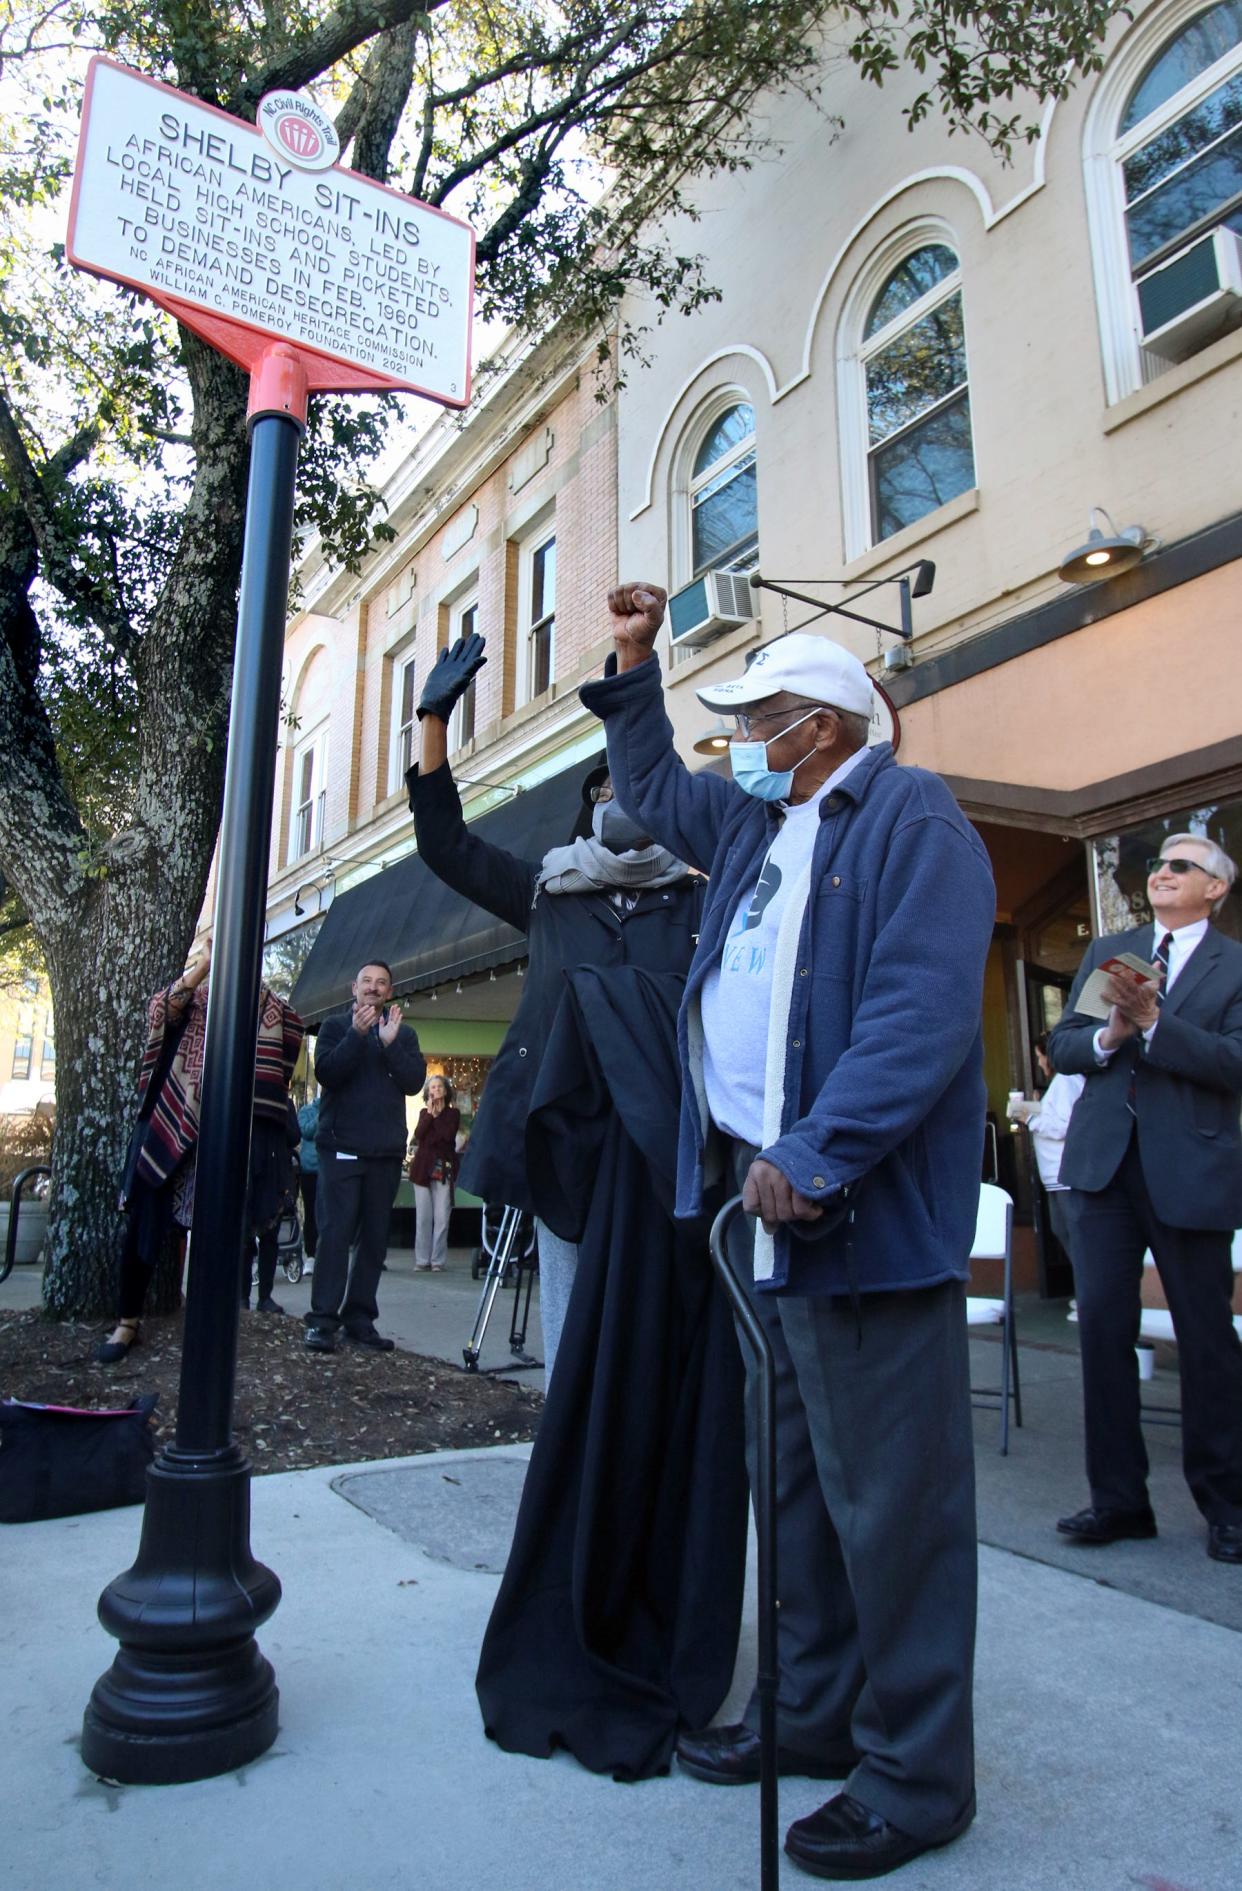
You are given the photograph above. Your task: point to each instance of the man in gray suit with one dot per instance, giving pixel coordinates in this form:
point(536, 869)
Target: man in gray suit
point(1154, 1157)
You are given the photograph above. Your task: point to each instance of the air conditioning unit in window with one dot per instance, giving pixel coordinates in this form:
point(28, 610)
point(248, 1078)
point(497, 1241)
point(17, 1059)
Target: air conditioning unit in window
point(1187, 299)
point(719, 600)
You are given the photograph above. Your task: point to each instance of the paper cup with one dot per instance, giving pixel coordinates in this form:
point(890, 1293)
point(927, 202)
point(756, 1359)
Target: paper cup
point(1146, 1361)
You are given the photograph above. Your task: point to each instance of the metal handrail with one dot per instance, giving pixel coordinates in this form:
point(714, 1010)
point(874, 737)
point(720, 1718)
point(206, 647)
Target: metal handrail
point(757, 1341)
point(10, 1245)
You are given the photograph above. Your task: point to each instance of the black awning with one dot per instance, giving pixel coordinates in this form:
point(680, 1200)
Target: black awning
point(426, 932)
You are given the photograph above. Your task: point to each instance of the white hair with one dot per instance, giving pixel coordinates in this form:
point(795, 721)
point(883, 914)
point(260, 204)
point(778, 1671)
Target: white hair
point(1217, 861)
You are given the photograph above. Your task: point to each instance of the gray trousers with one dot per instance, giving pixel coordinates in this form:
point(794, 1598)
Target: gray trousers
point(876, 1541)
point(558, 1263)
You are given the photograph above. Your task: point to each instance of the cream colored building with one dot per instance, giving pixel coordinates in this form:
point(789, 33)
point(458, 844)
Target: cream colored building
point(919, 354)
point(922, 354)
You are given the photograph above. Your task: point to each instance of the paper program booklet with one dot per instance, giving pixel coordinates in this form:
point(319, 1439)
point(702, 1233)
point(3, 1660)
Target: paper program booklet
point(1127, 969)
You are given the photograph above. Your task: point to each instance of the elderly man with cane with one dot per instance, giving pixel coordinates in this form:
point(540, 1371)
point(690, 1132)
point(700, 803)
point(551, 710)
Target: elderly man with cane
point(832, 1070)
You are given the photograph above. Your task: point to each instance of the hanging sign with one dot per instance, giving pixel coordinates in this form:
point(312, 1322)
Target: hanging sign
point(253, 234)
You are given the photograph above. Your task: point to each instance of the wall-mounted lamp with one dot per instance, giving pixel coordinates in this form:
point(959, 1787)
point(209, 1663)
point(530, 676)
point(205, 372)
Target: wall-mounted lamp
point(491, 977)
point(1105, 554)
point(457, 989)
point(315, 885)
point(716, 741)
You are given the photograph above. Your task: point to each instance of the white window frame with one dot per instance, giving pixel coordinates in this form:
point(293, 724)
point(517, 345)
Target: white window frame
point(1127, 365)
point(460, 626)
point(529, 551)
point(690, 482)
point(306, 816)
point(402, 660)
point(853, 354)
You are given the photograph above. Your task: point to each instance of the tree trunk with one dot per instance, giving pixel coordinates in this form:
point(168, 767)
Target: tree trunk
point(101, 977)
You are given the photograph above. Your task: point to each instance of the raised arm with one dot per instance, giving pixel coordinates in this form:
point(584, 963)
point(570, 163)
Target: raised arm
point(683, 811)
point(497, 881)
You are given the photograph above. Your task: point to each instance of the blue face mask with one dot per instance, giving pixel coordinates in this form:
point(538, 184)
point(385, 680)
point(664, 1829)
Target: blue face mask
point(749, 762)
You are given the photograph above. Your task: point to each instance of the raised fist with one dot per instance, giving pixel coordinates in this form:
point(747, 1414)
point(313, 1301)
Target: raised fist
point(637, 611)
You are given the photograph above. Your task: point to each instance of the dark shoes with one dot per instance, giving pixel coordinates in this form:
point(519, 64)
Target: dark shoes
point(320, 1339)
point(125, 1336)
point(1225, 1542)
point(844, 1839)
point(367, 1336)
point(1107, 1526)
point(729, 1756)
point(268, 1305)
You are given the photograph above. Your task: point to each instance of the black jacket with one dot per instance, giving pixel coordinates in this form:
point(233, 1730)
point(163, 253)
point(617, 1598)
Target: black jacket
point(365, 1084)
point(1187, 1086)
point(618, 1616)
point(565, 930)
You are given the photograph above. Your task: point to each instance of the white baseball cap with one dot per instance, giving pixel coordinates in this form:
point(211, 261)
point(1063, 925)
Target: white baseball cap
point(814, 668)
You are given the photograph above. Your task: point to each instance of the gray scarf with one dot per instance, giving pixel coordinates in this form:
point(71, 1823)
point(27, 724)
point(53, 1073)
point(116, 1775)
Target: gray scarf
point(587, 867)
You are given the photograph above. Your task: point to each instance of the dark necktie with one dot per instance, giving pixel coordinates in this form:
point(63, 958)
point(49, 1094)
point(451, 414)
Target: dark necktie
point(1160, 959)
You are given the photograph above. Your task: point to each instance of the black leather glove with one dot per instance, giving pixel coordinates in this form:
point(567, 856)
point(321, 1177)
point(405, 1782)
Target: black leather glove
point(451, 676)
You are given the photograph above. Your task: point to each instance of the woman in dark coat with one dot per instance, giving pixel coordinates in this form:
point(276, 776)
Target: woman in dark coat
point(611, 897)
point(433, 1170)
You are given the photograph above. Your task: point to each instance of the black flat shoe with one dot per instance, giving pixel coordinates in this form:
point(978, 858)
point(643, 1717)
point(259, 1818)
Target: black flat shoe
point(269, 1305)
point(845, 1839)
point(729, 1756)
point(319, 1339)
point(1107, 1526)
point(367, 1336)
point(110, 1352)
point(1224, 1544)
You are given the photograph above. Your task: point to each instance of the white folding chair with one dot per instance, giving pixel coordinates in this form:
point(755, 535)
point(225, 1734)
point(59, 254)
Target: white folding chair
point(994, 1242)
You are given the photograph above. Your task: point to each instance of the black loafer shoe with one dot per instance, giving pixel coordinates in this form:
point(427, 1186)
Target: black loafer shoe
point(367, 1336)
point(1107, 1526)
point(320, 1339)
point(729, 1756)
point(269, 1306)
point(1225, 1542)
point(845, 1839)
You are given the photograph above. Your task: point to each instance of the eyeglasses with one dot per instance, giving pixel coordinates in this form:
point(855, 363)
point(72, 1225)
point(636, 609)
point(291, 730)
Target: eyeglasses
point(1178, 866)
point(746, 723)
point(601, 793)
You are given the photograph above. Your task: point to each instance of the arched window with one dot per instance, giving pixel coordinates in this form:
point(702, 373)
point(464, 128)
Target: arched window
point(1179, 150)
point(913, 354)
point(724, 518)
point(1162, 149)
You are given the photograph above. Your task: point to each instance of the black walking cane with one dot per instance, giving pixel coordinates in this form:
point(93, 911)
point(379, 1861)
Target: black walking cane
point(765, 1526)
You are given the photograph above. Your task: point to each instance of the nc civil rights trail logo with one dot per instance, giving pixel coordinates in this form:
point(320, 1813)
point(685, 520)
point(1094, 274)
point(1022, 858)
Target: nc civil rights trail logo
point(295, 127)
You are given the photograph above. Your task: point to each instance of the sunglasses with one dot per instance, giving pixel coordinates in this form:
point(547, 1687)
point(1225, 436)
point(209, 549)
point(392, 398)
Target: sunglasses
point(1177, 866)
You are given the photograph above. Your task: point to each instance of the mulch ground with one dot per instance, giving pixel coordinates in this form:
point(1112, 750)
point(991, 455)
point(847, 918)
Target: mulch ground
point(292, 1408)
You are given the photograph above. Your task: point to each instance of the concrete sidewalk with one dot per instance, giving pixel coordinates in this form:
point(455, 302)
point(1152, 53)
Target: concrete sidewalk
point(1105, 1723)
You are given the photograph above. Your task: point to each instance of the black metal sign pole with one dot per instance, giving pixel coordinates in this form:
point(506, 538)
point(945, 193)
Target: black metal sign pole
point(189, 1694)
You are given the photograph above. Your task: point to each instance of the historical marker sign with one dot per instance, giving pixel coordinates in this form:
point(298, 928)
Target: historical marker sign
point(204, 212)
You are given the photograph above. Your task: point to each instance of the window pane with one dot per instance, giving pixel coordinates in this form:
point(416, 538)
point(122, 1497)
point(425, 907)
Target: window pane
point(407, 693)
point(466, 706)
point(734, 426)
point(1184, 139)
point(725, 513)
point(543, 582)
point(541, 659)
point(1189, 197)
point(923, 469)
point(306, 775)
point(921, 366)
point(1204, 41)
point(468, 622)
point(908, 282)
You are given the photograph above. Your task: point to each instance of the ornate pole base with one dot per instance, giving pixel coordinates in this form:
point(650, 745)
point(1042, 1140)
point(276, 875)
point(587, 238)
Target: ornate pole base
point(189, 1695)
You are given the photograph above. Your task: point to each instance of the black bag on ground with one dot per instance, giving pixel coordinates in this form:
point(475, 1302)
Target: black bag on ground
point(57, 1461)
